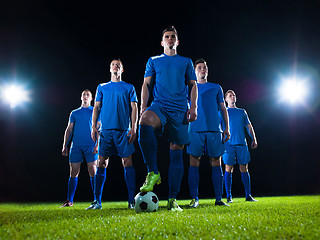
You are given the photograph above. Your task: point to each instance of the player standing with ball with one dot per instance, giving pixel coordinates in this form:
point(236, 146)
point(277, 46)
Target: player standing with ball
point(169, 75)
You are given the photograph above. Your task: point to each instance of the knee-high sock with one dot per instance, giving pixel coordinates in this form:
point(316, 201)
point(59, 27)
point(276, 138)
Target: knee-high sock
point(245, 176)
point(92, 182)
point(217, 180)
point(100, 178)
point(149, 145)
point(228, 183)
point(193, 182)
point(72, 186)
point(175, 172)
point(130, 178)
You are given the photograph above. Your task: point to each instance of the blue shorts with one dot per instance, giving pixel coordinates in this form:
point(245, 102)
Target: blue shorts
point(78, 153)
point(176, 121)
point(115, 143)
point(205, 143)
point(236, 153)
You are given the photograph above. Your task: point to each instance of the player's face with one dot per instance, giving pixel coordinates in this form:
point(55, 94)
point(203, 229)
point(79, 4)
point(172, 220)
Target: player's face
point(202, 71)
point(116, 67)
point(231, 98)
point(170, 40)
point(86, 97)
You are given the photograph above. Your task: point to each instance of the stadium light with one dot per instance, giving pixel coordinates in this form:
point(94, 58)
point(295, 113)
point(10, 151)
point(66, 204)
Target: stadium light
point(293, 90)
point(15, 95)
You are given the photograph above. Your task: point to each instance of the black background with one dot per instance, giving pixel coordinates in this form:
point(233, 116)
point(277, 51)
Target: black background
point(56, 50)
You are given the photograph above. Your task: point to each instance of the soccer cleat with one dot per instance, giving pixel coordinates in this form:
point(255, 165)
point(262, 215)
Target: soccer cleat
point(151, 180)
point(220, 203)
point(251, 199)
point(67, 204)
point(229, 200)
point(94, 205)
point(173, 205)
point(131, 205)
point(194, 203)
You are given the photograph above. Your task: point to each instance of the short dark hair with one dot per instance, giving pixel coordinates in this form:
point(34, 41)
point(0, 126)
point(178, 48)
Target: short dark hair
point(199, 60)
point(169, 29)
point(117, 59)
point(86, 90)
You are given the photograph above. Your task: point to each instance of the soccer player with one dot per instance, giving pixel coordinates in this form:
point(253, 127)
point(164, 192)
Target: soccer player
point(116, 103)
point(169, 74)
point(236, 147)
point(82, 146)
point(206, 136)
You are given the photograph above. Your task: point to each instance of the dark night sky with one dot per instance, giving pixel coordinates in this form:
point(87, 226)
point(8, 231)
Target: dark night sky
point(57, 50)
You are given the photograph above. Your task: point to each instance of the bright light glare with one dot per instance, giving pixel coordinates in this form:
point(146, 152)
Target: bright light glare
point(15, 95)
point(293, 90)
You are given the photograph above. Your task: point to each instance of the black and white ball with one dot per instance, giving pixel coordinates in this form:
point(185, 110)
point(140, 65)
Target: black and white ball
point(146, 202)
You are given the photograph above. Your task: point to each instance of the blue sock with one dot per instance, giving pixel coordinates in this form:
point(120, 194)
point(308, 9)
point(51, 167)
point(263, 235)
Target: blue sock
point(92, 179)
point(228, 183)
point(130, 178)
point(217, 180)
point(100, 179)
point(175, 172)
point(194, 182)
point(149, 145)
point(245, 176)
point(72, 186)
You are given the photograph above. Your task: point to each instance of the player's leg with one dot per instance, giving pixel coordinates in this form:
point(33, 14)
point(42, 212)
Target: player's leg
point(92, 169)
point(178, 137)
point(92, 161)
point(130, 178)
point(193, 179)
point(217, 180)
point(75, 159)
point(243, 157)
point(195, 149)
point(245, 177)
point(175, 169)
point(73, 180)
point(215, 149)
point(228, 182)
point(229, 159)
point(148, 143)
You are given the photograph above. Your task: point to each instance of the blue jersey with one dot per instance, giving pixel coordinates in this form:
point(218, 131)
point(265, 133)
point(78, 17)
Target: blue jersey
point(116, 98)
point(172, 74)
point(210, 95)
point(238, 119)
point(82, 120)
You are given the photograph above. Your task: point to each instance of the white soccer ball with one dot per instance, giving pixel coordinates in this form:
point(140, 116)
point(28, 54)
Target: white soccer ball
point(146, 202)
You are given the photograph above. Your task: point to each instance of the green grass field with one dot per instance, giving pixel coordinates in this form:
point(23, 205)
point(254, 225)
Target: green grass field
point(296, 217)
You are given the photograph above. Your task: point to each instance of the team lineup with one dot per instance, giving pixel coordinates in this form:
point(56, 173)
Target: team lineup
point(192, 109)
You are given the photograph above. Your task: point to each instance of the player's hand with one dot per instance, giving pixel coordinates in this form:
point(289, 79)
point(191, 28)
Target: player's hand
point(65, 151)
point(94, 133)
point(226, 135)
point(192, 114)
point(132, 135)
point(95, 149)
point(254, 144)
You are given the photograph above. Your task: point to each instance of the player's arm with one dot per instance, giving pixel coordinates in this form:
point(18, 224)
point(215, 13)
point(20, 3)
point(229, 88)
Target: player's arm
point(95, 116)
point(145, 93)
point(225, 116)
point(254, 143)
point(134, 120)
point(67, 135)
point(192, 112)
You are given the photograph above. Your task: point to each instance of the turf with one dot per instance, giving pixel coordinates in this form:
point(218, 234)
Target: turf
point(295, 217)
